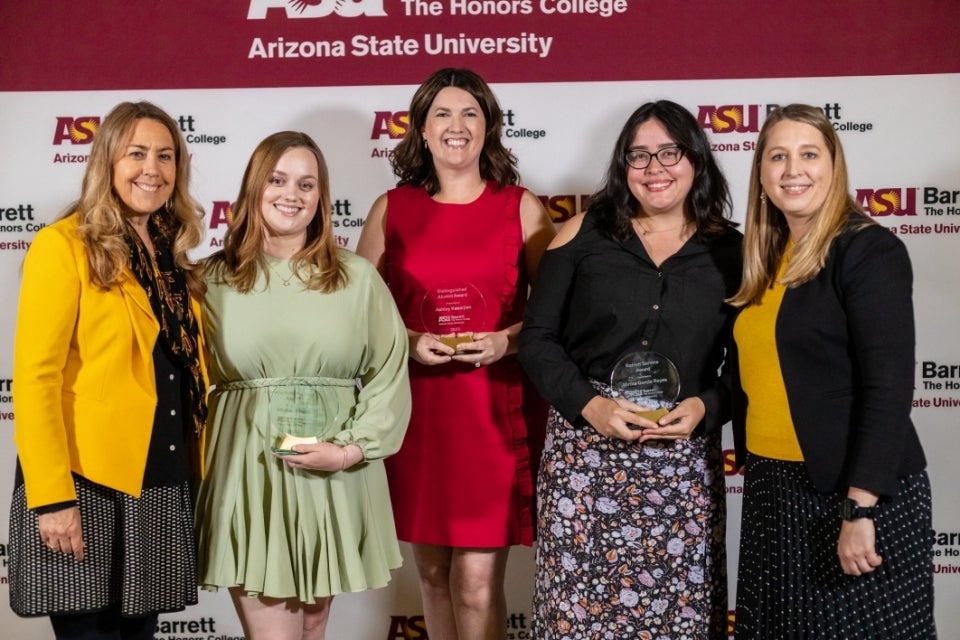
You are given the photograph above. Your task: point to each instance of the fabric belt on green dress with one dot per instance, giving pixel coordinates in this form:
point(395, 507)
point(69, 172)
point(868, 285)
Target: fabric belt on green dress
point(293, 381)
point(300, 406)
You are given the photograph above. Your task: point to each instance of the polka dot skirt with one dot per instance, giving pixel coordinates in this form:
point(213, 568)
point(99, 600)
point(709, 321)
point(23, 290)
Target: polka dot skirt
point(139, 552)
point(790, 584)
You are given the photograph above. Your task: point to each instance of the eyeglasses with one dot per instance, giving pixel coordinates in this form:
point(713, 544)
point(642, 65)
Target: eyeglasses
point(667, 157)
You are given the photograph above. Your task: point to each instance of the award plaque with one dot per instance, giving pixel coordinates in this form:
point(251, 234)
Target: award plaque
point(452, 312)
point(648, 379)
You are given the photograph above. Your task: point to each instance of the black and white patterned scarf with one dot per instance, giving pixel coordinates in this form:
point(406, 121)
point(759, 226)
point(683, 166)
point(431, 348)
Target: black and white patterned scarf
point(166, 288)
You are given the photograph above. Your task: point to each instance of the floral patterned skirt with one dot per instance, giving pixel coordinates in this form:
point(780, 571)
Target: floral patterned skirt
point(630, 538)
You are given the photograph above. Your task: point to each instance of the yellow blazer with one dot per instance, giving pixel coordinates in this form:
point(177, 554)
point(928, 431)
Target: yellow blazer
point(84, 388)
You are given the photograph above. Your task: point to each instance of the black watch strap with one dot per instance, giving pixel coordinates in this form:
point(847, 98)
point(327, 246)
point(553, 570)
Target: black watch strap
point(850, 510)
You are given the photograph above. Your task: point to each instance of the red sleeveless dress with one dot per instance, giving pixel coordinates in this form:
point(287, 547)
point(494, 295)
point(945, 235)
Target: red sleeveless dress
point(464, 475)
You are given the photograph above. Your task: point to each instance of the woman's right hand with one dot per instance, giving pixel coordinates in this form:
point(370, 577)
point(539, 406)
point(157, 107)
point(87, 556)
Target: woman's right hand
point(427, 350)
point(61, 531)
point(613, 418)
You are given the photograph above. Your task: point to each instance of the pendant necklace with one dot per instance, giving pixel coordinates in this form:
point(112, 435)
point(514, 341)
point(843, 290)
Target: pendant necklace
point(644, 231)
point(285, 281)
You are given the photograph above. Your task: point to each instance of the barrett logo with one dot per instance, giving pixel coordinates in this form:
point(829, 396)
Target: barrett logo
point(392, 124)
point(316, 8)
point(730, 118)
point(934, 196)
point(888, 202)
point(77, 130)
point(6, 397)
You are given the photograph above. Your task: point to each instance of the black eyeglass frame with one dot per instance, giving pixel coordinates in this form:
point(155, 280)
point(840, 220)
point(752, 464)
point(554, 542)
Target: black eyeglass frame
point(650, 156)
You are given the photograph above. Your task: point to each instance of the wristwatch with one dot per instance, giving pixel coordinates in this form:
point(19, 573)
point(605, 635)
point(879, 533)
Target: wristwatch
point(850, 510)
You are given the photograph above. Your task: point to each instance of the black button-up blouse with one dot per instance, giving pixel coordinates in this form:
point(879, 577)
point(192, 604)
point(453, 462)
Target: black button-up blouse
point(595, 300)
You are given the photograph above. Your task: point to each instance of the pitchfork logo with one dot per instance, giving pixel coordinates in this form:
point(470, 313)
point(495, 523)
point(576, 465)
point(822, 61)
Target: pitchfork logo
point(316, 8)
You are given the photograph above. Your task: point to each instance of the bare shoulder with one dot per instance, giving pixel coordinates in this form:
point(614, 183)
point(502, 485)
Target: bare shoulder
point(378, 210)
point(371, 244)
point(533, 215)
point(568, 231)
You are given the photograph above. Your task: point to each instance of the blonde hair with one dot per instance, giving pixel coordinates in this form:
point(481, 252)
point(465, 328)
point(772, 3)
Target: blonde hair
point(99, 211)
point(766, 232)
point(242, 254)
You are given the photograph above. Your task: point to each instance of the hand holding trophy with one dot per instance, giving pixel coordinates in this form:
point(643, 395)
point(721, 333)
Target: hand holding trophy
point(649, 380)
point(452, 313)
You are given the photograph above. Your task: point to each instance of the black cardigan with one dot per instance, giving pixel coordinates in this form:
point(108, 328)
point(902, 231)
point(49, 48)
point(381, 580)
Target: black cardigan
point(846, 346)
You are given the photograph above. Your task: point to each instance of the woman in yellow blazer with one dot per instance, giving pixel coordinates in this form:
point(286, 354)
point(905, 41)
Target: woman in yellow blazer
point(110, 392)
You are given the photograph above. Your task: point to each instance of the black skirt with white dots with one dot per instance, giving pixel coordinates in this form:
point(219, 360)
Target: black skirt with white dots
point(138, 553)
point(790, 584)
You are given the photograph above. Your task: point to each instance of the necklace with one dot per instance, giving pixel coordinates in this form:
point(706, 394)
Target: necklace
point(285, 281)
point(644, 231)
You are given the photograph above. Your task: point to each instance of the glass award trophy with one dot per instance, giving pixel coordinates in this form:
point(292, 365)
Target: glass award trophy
point(452, 312)
point(648, 379)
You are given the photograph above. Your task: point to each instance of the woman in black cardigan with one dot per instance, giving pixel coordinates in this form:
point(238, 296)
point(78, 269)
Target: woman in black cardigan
point(836, 534)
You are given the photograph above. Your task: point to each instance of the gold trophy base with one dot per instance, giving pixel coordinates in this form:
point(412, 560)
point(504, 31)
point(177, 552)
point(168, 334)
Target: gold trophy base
point(652, 414)
point(454, 343)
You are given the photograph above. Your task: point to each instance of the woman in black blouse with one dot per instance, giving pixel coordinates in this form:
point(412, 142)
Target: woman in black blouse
point(630, 533)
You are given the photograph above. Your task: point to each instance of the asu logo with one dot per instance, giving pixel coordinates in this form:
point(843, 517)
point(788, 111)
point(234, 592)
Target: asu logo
point(888, 202)
point(730, 463)
point(394, 125)
point(76, 130)
point(316, 8)
point(562, 208)
point(221, 213)
point(730, 118)
point(407, 628)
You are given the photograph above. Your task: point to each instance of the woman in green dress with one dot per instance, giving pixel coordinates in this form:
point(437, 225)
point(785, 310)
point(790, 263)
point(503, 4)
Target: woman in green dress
point(305, 341)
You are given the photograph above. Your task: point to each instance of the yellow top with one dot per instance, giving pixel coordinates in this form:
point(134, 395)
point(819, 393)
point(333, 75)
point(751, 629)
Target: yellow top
point(770, 429)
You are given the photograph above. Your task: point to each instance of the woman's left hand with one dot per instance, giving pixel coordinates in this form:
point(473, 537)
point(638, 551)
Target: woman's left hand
point(324, 456)
point(857, 547)
point(485, 349)
point(679, 423)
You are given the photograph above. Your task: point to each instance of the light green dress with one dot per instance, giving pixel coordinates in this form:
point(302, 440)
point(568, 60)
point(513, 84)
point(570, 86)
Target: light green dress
point(284, 359)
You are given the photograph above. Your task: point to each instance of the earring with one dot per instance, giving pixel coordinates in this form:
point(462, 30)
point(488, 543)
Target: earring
point(763, 198)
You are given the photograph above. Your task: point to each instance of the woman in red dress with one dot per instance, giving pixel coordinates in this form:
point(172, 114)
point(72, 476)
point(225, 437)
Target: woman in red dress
point(462, 482)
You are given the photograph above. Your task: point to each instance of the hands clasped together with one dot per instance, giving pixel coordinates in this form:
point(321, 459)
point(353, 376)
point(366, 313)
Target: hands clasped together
point(477, 349)
point(617, 418)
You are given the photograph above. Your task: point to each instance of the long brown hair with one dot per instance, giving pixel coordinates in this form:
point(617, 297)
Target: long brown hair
point(100, 212)
point(412, 161)
point(242, 253)
point(766, 232)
